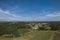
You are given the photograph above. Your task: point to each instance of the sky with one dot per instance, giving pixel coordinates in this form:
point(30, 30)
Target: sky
point(29, 10)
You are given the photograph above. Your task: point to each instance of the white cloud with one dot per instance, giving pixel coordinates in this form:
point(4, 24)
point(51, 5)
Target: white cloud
point(49, 16)
point(3, 12)
point(7, 15)
point(54, 14)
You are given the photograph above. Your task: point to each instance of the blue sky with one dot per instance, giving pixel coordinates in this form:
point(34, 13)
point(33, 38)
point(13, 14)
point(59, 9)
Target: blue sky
point(29, 10)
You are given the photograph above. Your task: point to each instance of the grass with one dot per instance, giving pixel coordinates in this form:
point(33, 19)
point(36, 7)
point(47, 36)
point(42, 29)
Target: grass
point(5, 38)
point(56, 36)
point(35, 35)
point(22, 31)
point(42, 35)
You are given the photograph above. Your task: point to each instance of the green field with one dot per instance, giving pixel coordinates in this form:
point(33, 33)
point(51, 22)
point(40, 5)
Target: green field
point(56, 36)
point(39, 35)
point(5, 38)
point(36, 35)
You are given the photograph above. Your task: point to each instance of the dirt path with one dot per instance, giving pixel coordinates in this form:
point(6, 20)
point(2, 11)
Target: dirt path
point(51, 38)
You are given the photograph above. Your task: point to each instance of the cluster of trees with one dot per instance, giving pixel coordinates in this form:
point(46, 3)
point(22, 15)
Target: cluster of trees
point(11, 28)
point(55, 26)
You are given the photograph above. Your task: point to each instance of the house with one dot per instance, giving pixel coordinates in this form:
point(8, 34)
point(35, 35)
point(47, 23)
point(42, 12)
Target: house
point(35, 26)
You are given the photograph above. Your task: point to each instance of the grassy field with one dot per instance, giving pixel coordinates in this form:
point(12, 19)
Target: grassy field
point(56, 36)
point(42, 35)
point(5, 38)
point(36, 35)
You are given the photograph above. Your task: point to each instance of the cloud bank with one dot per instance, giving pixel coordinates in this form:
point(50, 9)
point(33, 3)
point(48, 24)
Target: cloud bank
point(6, 15)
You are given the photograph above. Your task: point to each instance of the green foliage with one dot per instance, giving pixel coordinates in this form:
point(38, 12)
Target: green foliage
point(11, 28)
point(55, 26)
point(19, 28)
